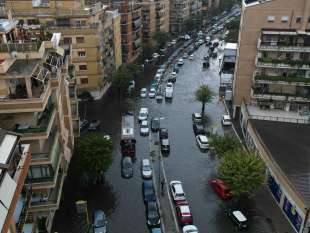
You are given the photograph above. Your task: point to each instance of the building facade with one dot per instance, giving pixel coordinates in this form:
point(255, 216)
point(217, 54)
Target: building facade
point(179, 12)
point(148, 21)
point(162, 15)
point(131, 29)
point(14, 196)
point(39, 102)
point(195, 7)
point(82, 28)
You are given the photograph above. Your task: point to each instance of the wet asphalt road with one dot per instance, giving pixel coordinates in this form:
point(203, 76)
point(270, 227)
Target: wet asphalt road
point(121, 198)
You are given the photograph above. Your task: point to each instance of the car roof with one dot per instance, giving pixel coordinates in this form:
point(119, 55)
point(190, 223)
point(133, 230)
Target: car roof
point(99, 215)
point(143, 109)
point(145, 161)
point(178, 187)
point(143, 89)
point(226, 117)
point(127, 159)
point(144, 122)
point(165, 142)
point(190, 228)
point(239, 215)
point(148, 183)
point(197, 114)
point(184, 209)
point(203, 138)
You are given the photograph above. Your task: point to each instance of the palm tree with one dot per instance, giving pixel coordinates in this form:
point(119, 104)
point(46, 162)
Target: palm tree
point(204, 95)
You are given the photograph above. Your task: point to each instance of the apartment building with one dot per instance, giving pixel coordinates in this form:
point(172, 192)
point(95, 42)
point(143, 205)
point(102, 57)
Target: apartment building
point(131, 29)
point(209, 4)
point(82, 28)
point(148, 20)
point(38, 101)
point(271, 98)
point(179, 12)
point(14, 196)
point(162, 15)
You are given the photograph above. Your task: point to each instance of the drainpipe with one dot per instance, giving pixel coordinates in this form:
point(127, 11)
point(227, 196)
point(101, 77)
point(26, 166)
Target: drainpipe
point(304, 227)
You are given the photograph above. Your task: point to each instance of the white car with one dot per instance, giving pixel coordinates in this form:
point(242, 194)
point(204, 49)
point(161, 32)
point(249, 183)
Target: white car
point(190, 229)
point(143, 114)
point(191, 57)
point(169, 90)
point(146, 169)
point(143, 92)
point(155, 55)
point(200, 41)
point(160, 71)
point(144, 128)
point(180, 62)
point(158, 77)
point(173, 74)
point(187, 37)
point(173, 42)
point(152, 93)
point(226, 121)
point(202, 142)
point(185, 55)
point(131, 86)
point(177, 192)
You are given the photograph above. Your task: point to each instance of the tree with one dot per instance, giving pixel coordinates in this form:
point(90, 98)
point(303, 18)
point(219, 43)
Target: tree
point(133, 69)
point(94, 157)
point(161, 38)
point(244, 172)
point(147, 50)
point(121, 79)
point(204, 95)
point(221, 145)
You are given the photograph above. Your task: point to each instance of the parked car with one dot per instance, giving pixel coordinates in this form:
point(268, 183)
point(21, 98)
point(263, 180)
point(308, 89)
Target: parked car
point(177, 192)
point(131, 86)
point(191, 57)
point(190, 229)
point(173, 42)
point(94, 125)
point(169, 91)
point(163, 133)
point(184, 215)
point(143, 114)
point(155, 124)
point(159, 97)
point(148, 191)
point(238, 218)
point(153, 218)
point(155, 55)
point(185, 55)
point(202, 142)
point(165, 146)
point(199, 129)
point(127, 167)
point(180, 62)
point(99, 222)
point(197, 117)
point(84, 124)
point(176, 69)
point(143, 92)
point(146, 169)
point(144, 128)
point(221, 189)
point(152, 93)
point(226, 121)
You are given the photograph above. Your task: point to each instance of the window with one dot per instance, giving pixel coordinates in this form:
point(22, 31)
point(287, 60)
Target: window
point(271, 18)
point(298, 19)
point(67, 40)
point(80, 40)
point(40, 172)
point(82, 67)
point(84, 80)
point(284, 19)
point(81, 53)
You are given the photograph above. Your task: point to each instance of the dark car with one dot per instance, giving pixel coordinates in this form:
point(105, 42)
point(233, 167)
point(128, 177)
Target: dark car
point(165, 146)
point(198, 129)
point(94, 125)
point(176, 69)
point(153, 219)
point(84, 124)
point(155, 124)
point(163, 133)
point(127, 167)
point(148, 191)
point(238, 218)
point(99, 222)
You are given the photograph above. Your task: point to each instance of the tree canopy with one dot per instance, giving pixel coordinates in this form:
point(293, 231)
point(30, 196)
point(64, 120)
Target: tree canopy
point(244, 172)
point(161, 38)
point(204, 95)
point(94, 157)
point(221, 145)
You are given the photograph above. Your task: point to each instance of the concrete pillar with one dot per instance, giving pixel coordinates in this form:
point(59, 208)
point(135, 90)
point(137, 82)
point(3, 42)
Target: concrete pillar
point(306, 15)
point(4, 38)
point(28, 86)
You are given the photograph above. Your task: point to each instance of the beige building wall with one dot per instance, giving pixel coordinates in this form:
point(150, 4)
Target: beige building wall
point(253, 19)
point(149, 20)
point(162, 15)
point(179, 12)
point(117, 41)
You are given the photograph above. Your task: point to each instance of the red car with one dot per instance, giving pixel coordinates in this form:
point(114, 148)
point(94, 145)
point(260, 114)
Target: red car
point(184, 215)
point(221, 188)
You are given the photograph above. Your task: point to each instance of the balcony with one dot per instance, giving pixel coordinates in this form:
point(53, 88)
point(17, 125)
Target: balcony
point(71, 74)
point(20, 47)
point(260, 93)
point(290, 80)
point(40, 202)
point(283, 63)
point(42, 128)
point(282, 47)
point(22, 207)
point(75, 29)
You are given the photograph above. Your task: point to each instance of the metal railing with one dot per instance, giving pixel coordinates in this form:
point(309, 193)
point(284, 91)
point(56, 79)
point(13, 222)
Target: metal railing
point(20, 47)
point(279, 118)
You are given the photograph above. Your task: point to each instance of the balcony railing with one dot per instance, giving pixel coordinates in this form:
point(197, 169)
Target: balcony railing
point(283, 63)
point(294, 80)
point(20, 47)
point(258, 93)
point(281, 46)
point(23, 215)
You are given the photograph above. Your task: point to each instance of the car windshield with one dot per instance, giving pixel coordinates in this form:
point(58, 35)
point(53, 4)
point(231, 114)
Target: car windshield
point(143, 114)
point(146, 168)
point(179, 194)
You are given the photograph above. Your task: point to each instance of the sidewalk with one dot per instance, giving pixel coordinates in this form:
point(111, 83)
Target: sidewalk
point(166, 209)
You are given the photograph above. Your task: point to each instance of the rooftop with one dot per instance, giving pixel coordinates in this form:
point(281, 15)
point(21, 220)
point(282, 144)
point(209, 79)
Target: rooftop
point(22, 67)
point(288, 145)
